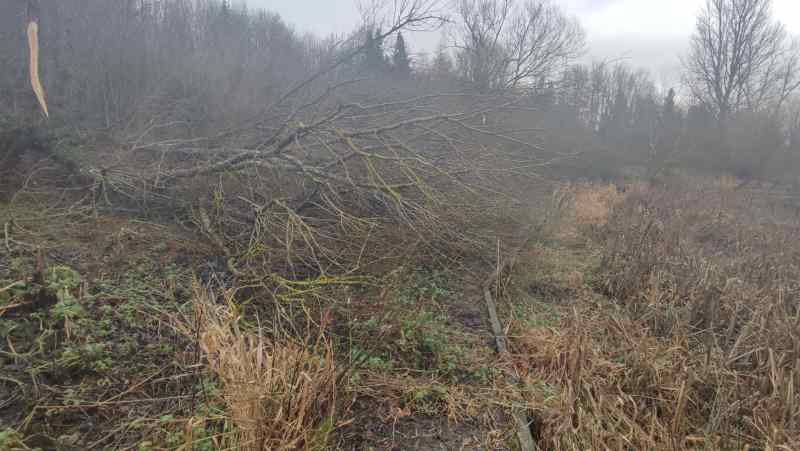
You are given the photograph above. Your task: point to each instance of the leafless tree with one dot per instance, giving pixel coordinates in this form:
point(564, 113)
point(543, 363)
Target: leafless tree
point(540, 41)
point(740, 58)
point(505, 45)
point(332, 165)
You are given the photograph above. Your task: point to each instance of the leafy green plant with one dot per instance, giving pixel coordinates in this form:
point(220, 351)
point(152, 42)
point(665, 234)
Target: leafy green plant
point(62, 278)
point(72, 396)
point(13, 291)
point(366, 360)
point(62, 281)
point(426, 399)
point(6, 327)
point(94, 356)
point(67, 309)
point(11, 440)
point(424, 285)
point(428, 337)
point(483, 374)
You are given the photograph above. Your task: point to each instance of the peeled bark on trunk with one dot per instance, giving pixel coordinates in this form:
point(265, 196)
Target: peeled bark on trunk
point(33, 53)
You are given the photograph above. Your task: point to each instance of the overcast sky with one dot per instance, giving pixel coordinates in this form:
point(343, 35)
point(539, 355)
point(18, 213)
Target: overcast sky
point(646, 33)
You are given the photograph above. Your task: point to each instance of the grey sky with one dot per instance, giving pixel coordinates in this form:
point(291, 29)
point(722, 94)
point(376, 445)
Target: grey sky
point(646, 33)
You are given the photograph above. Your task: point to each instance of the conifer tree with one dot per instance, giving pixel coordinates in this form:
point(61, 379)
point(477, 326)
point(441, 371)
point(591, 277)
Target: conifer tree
point(400, 60)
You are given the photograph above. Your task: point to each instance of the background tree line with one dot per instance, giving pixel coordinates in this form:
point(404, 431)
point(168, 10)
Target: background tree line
point(104, 61)
point(735, 111)
point(201, 62)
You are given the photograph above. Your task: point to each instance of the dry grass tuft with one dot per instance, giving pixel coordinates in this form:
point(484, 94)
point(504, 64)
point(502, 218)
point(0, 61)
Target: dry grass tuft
point(726, 182)
point(697, 347)
point(602, 383)
point(580, 207)
point(593, 204)
point(281, 395)
point(719, 291)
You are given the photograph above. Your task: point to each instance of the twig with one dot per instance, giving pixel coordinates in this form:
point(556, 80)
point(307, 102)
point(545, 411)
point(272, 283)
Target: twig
point(4, 308)
point(524, 435)
point(110, 403)
point(17, 283)
point(7, 236)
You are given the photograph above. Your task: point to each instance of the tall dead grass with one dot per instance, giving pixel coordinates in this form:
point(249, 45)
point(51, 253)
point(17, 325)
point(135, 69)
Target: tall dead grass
point(699, 347)
point(693, 268)
point(578, 207)
point(280, 394)
point(593, 204)
point(603, 383)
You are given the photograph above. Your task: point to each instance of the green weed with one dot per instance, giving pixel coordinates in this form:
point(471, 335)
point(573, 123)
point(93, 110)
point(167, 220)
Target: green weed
point(426, 400)
point(94, 356)
point(11, 440)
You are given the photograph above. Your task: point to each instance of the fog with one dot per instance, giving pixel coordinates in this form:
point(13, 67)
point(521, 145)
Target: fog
point(622, 78)
point(646, 33)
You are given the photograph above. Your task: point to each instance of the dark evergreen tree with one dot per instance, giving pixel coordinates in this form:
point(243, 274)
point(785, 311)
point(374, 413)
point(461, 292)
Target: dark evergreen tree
point(699, 122)
point(442, 66)
point(400, 61)
point(381, 62)
point(369, 48)
point(669, 104)
point(673, 116)
point(374, 60)
point(614, 128)
point(670, 124)
point(619, 112)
